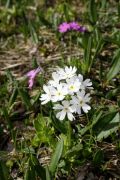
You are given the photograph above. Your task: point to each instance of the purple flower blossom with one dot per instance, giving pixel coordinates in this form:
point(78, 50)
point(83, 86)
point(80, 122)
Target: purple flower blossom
point(65, 27)
point(31, 75)
point(83, 29)
point(74, 26)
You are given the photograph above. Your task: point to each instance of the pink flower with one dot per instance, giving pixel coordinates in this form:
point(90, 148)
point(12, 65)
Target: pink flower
point(74, 26)
point(64, 27)
point(31, 75)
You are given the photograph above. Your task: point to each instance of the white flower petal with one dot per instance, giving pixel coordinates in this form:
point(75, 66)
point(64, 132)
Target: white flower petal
point(61, 115)
point(78, 109)
point(86, 108)
point(58, 106)
point(45, 88)
point(87, 82)
point(70, 116)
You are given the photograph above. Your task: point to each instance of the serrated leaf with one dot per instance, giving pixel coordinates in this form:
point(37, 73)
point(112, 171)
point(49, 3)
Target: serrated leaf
point(39, 123)
point(56, 156)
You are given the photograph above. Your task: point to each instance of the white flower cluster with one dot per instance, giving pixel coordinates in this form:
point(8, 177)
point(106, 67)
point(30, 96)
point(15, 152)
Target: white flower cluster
point(67, 91)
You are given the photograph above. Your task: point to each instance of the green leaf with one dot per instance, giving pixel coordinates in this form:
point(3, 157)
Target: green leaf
point(10, 76)
point(41, 171)
point(28, 150)
point(92, 11)
point(7, 3)
point(47, 174)
point(98, 157)
point(25, 97)
point(44, 131)
point(4, 174)
point(30, 172)
point(103, 4)
point(41, 16)
point(33, 33)
point(39, 123)
point(74, 150)
point(119, 9)
point(66, 11)
point(56, 156)
point(99, 47)
point(88, 54)
point(69, 133)
point(58, 124)
point(4, 155)
point(115, 68)
point(106, 125)
point(13, 97)
point(6, 116)
point(94, 120)
point(113, 40)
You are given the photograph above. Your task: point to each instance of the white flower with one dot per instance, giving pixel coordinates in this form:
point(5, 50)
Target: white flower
point(84, 84)
point(46, 97)
point(67, 91)
point(66, 109)
point(59, 93)
point(67, 72)
point(56, 78)
point(73, 85)
point(80, 102)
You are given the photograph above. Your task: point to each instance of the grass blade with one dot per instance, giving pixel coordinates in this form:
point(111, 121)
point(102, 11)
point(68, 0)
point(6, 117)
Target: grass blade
point(92, 11)
point(88, 54)
point(13, 97)
point(25, 97)
point(47, 174)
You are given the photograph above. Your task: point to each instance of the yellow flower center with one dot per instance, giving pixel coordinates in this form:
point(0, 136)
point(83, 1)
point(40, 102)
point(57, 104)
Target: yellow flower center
point(72, 87)
point(58, 93)
point(81, 102)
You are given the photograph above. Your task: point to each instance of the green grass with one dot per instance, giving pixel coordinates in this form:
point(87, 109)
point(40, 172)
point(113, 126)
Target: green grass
point(33, 143)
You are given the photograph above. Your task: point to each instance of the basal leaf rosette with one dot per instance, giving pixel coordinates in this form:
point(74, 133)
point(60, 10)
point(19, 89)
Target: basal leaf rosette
point(68, 91)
